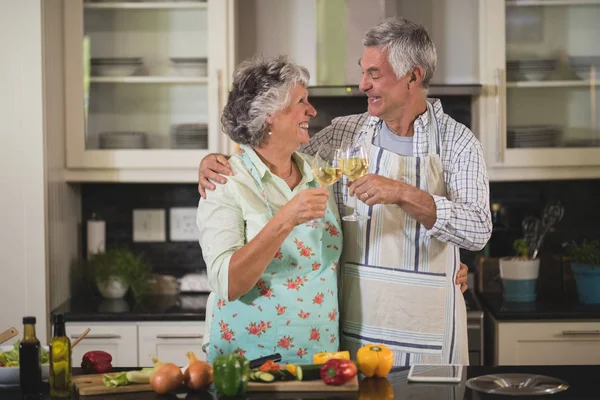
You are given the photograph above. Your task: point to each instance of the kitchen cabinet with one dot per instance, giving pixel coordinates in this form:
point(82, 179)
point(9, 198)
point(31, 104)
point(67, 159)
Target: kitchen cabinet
point(546, 343)
point(170, 342)
point(538, 117)
point(118, 339)
point(145, 85)
point(131, 343)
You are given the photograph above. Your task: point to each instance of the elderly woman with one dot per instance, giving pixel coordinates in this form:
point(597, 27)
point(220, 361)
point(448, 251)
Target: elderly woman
point(272, 274)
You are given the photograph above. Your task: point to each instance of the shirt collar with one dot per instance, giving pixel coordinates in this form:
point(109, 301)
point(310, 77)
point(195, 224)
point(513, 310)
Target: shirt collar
point(263, 170)
point(422, 122)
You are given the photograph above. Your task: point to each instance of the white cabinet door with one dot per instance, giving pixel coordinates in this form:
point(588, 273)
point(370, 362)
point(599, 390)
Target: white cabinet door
point(118, 339)
point(538, 114)
point(156, 116)
point(170, 341)
point(548, 343)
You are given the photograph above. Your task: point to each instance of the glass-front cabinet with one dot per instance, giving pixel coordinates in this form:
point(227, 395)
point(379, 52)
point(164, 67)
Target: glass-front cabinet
point(540, 65)
point(145, 82)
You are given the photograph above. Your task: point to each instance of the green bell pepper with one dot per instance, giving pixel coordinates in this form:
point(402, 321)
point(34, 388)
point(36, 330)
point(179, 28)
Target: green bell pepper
point(231, 373)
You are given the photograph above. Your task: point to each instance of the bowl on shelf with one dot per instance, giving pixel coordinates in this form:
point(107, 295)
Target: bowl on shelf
point(9, 376)
point(189, 66)
point(116, 66)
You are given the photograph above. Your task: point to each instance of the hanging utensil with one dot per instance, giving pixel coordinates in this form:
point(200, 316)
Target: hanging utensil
point(553, 213)
point(531, 229)
point(8, 334)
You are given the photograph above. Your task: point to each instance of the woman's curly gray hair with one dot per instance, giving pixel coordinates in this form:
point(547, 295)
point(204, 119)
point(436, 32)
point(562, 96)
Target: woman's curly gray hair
point(408, 45)
point(261, 87)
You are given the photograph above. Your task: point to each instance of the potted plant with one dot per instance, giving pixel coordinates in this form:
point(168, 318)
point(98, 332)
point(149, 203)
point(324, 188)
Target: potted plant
point(117, 270)
point(519, 274)
point(585, 264)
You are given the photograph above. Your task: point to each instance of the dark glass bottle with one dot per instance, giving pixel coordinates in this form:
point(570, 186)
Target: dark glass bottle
point(60, 359)
point(30, 368)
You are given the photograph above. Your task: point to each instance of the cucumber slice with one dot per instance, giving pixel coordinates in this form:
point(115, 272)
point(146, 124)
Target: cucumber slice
point(266, 377)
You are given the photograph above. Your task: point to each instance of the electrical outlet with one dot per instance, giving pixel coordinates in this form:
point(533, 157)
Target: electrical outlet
point(182, 222)
point(149, 225)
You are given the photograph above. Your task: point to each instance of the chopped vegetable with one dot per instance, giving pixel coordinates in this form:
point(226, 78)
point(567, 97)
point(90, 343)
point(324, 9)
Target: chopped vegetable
point(270, 366)
point(322, 358)
point(338, 372)
point(375, 360)
point(231, 373)
point(96, 361)
point(119, 379)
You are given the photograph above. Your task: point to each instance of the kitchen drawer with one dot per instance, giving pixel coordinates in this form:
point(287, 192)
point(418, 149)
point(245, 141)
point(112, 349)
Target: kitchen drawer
point(118, 339)
point(548, 343)
point(170, 341)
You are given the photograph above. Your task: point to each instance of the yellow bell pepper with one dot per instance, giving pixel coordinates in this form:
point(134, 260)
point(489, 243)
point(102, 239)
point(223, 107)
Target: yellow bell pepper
point(375, 359)
point(322, 358)
point(375, 389)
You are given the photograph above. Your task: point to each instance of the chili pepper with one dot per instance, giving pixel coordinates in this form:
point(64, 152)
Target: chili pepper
point(270, 365)
point(338, 372)
point(96, 361)
point(375, 359)
point(376, 389)
point(322, 358)
point(231, 373)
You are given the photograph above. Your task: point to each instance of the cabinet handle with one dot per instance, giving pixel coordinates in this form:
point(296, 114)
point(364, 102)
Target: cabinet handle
point(581, 333)
point(99, 336)
point(179, 336)
point(500, 117)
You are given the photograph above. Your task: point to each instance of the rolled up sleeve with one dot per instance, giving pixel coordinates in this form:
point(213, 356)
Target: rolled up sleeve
point(222, 233)
point(463, 216)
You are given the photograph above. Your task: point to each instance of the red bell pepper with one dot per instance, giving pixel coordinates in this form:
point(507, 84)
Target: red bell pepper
point(338, 372)
point(96, 361)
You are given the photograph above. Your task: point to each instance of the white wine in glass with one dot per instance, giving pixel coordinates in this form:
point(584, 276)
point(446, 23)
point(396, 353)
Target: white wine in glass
point(355, 164)
point(326, 169)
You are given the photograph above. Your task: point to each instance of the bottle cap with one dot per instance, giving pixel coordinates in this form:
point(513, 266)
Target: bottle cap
point(58, 318)
point(28, 320)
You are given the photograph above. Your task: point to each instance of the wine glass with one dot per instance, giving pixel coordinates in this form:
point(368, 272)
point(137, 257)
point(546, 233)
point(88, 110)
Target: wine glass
point(355, 164)
point(326, 168)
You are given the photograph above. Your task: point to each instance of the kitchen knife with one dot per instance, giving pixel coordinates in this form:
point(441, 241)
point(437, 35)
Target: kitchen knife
point(8, 334)
point(260, 361)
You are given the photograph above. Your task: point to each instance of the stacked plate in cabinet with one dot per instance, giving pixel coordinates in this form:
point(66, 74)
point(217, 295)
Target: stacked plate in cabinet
point(533, 136)
point(582, 66)
point(116, 66)
point(123, 140)
point(531, 70)
point(190, 136)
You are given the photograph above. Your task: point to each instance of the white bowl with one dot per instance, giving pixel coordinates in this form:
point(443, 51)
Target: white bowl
point(9, 376)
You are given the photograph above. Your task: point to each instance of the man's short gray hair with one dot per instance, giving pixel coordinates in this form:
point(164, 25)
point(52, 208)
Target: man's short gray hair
point(261, 87)
point(408, 45)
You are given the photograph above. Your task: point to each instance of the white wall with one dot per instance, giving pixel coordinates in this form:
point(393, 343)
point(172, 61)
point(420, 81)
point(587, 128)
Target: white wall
point(22, 181)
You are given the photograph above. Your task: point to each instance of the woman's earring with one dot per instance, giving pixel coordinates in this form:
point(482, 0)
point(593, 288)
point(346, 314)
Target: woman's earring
point(270, 132)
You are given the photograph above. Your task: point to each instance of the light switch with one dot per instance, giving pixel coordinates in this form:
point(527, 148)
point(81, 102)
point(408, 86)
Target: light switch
point(149, 225)
point(182, 223)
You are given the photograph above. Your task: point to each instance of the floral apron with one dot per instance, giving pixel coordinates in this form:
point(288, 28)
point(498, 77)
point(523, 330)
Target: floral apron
point(293, 309)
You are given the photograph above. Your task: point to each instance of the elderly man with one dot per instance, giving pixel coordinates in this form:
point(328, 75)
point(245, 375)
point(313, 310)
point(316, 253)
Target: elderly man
point(427, 195)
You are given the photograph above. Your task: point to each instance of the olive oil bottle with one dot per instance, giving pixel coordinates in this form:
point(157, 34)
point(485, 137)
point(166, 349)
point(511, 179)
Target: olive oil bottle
point(30, 368)
point(60, 360)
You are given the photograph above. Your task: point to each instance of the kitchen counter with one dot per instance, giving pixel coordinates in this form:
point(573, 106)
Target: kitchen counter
point(560, 309)
point(153, 308)
point(583, 385)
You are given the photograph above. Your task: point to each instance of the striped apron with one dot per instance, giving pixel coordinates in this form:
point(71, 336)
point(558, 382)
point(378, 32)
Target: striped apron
point(397, 284)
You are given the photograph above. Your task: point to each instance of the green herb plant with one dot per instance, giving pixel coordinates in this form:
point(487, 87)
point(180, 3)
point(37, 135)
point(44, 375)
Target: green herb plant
point(587, 253)
point(122, 263)
point(522, 248)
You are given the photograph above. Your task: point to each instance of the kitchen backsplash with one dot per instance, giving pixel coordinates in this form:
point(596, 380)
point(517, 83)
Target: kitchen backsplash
point(115, 203)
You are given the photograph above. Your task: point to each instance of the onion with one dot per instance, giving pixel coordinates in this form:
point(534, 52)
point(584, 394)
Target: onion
point(198, 373)
point(166, 378)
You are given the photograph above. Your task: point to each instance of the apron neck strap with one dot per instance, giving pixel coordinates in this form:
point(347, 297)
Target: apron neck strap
point(433, 134)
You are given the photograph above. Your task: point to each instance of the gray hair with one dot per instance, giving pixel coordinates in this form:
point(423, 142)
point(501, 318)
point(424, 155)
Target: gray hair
point(408, 46)
point(261, 87)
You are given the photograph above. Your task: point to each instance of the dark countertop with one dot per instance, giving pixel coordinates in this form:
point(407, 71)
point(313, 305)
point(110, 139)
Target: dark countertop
point(189, 307)
point(547, 309)
point(583, 385)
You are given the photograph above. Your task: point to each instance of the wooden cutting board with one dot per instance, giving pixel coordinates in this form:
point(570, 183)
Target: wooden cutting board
point(91, 385)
